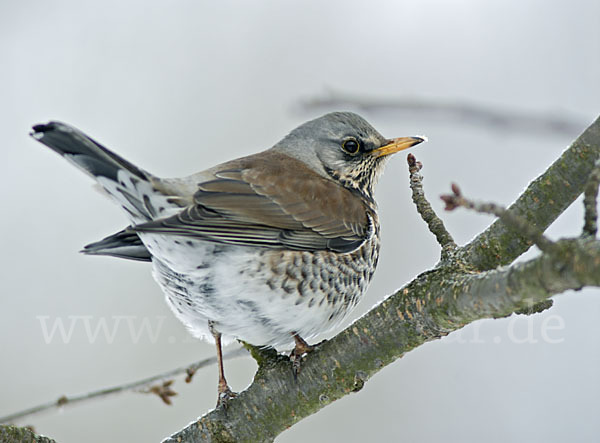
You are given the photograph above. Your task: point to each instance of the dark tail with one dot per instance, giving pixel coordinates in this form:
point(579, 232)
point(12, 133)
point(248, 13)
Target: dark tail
point(86, 153)
point(123, 244)
point(127, 184)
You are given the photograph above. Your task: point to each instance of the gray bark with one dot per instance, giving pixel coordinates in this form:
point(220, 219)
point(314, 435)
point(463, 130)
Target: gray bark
point(13, 434)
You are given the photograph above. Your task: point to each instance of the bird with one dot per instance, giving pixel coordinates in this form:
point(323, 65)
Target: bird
point(273, 249)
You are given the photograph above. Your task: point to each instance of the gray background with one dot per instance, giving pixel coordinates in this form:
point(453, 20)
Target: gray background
point(179, 86)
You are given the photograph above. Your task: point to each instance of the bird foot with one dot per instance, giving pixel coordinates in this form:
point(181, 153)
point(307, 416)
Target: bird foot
point(302, 348)
point(225, 395)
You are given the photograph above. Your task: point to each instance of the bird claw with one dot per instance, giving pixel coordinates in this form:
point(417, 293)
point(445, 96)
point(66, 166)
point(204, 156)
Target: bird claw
point(302, 348)
point(296, 364)
point(225, 395)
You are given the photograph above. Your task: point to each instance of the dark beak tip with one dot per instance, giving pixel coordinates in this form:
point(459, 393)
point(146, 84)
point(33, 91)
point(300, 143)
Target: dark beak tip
point(419, 140)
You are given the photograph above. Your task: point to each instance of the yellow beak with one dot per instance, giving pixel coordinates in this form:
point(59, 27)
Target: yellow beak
point(396, 145)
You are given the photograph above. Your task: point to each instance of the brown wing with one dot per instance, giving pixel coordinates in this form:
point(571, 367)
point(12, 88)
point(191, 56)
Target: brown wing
point(271, 200)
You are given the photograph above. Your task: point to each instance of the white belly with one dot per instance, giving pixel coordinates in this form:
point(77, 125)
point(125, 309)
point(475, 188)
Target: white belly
point(236, 288)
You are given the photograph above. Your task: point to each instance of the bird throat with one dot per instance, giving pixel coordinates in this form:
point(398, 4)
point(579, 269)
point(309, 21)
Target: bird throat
point(360, 180)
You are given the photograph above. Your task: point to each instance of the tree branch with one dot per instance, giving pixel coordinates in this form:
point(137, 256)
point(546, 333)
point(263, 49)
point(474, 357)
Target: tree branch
point(508, 120)
point(139, 386)
point(431, 306)
point(540, 204)
point(22, 435)
point(437, 302)
point(590, 202)
point(434, 223)
point(510, 219)
point(466, 287)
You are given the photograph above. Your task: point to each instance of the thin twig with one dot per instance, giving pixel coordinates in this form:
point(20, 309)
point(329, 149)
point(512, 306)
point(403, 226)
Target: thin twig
point(590, 202)
point(512, 220)
point(434, 223)
point(133, 386)
point(511, 120)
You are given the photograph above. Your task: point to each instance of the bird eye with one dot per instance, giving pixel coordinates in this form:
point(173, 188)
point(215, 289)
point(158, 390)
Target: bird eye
point(351, 146)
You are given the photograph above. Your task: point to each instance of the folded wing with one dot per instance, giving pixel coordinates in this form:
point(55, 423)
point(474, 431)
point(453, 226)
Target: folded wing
point(271, 201)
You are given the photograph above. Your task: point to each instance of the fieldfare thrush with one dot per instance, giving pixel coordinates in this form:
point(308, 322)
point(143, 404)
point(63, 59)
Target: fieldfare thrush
point(271, 249)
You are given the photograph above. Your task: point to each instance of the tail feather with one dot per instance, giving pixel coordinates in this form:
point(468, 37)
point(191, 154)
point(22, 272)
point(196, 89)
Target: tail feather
point(86, 153)
point(142, 196)
point(123, 244)
point(127, 184)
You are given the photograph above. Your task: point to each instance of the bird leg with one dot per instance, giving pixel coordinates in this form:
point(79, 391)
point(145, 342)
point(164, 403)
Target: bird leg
point(225, 392)
point(296, 356)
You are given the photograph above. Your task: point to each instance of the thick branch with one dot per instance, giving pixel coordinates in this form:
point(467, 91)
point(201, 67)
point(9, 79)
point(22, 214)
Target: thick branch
point(22, 435)
point(590, 202)
point(437, 302)
point(434, 304)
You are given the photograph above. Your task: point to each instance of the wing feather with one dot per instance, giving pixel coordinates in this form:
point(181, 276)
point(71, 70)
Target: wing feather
point(274, 201)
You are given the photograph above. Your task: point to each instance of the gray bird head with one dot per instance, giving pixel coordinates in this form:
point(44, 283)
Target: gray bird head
point(343, 146)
